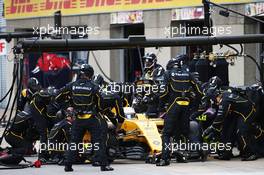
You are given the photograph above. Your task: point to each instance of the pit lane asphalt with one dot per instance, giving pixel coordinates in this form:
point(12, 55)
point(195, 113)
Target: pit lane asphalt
point(131, 167)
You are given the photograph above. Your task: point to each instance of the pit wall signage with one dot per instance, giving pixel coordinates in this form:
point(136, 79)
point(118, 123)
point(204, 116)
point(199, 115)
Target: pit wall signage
point(3, 47)
point(36, 8)
point(187, 13)
point(127, 17)
point(255, 9)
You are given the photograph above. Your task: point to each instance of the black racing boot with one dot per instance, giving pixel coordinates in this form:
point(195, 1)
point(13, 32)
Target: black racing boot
point(68, 168)
point(43, 160)
point(106, 168)
point(181, 157)
point(250, 157)
point(96, 164)
point(225, 155)
point(61, 162)
point(163, 163)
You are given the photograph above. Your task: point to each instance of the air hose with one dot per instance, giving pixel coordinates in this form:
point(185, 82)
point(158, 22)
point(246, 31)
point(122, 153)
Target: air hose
point(15, 72)
point(6, 94)
point(13, 104)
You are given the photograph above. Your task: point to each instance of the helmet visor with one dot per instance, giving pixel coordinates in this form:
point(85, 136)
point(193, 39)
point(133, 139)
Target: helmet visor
point(149, 62)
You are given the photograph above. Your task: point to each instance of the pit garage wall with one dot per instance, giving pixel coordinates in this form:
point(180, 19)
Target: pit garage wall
point(155, 25)
point(6, 63)
point(102, 56)
point(251, 71)
point(117, 67)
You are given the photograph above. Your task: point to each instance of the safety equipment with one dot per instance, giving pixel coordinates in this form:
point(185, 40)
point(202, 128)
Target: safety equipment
point(52, 90)
point(212, 92)
point(87, 70)
point(150, 60)
point(210, 134)
point(177, 62)
point(69, 112)
point(182, 59)
point(98, 79)
point(171, 64)
point(33, 84)
point(213, 89)
point(215, 82)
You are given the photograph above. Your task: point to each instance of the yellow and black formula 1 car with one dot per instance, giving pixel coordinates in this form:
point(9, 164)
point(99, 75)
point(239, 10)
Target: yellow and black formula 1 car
point(139, 137)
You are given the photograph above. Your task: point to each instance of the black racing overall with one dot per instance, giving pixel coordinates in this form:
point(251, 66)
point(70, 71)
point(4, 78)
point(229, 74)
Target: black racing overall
point(86, 100)
point(179, 84)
